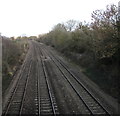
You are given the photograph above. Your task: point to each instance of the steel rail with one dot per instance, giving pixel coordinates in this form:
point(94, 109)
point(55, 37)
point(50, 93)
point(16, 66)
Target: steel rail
point(47, 83)
point(78, 82)
point(16, 86)
point(73, 87)
point(38, 86)
point(38, 89)
point(27, 80)
point(81, 84)
point(25, 88)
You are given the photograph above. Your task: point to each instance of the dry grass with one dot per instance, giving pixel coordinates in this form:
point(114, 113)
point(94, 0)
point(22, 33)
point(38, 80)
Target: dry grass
point(13, 53)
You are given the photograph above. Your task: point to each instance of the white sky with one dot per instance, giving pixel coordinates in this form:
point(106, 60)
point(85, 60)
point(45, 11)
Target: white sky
point(33, 17)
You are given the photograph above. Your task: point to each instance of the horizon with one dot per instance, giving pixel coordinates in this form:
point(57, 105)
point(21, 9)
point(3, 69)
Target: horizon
point(34, 17)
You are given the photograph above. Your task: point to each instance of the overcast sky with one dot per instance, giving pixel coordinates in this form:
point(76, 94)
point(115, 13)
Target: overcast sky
point(33, 17)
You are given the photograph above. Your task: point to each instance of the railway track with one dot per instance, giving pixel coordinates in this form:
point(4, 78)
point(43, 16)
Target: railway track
point(90, 102)
point(15, 101)
point(16, 98)
point(34, 93)
point(29, 104)
point(47, 102)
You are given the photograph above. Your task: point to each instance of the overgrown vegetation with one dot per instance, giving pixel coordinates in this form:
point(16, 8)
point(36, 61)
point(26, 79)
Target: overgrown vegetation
point(13, 53)
point(95, 46)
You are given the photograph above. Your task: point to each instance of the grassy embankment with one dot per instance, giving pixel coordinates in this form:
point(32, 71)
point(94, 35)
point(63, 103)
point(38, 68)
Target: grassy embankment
point(13, 54)
point(95, 47)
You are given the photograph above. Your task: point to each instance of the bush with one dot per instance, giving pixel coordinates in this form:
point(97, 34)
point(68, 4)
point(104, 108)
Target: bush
point(12, 57)
point(95, 46)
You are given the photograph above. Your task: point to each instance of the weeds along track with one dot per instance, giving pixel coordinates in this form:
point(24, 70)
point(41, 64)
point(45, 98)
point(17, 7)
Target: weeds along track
point(16, 98)
point(33, 93)
point(91, 103)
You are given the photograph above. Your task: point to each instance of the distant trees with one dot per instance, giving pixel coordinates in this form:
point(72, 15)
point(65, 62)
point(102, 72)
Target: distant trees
point(26, 38)
point(32, 37)
point(100, 39)
point(57, 37)
point(71, 25)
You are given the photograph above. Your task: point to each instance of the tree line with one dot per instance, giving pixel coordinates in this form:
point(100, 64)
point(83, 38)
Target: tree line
point(94, 45)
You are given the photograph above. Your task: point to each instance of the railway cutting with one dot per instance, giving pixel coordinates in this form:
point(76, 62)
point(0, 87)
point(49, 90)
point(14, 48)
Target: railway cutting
point(47, 86)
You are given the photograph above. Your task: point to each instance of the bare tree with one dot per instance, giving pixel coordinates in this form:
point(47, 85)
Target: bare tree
point(71, 25)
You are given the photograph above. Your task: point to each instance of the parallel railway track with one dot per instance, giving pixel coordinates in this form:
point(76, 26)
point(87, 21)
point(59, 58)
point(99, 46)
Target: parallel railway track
point(91, 103)
point(34, 94)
